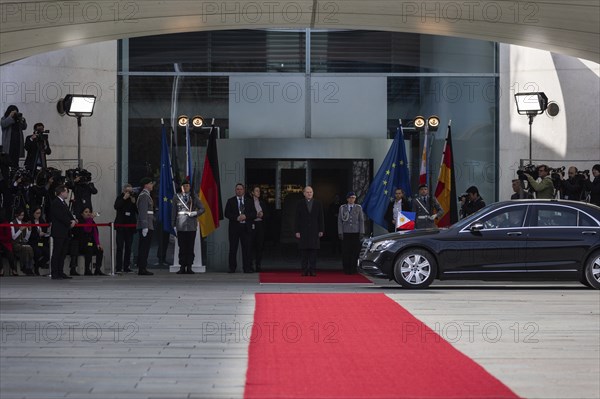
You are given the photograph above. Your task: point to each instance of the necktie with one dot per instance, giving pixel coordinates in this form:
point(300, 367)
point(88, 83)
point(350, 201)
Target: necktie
point(240, 204)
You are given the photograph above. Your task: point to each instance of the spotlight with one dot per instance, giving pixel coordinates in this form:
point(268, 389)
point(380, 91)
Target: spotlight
point(183, 120)
point(419, 123)
point(433, 122)
point(531, 103)
point(197, 121)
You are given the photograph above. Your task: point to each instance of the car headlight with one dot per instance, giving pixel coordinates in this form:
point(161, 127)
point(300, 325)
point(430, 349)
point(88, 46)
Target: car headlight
point(381, 245)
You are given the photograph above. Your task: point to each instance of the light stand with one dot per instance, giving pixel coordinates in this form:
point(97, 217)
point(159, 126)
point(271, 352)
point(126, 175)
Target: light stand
point(531, 104)
point(77, 106)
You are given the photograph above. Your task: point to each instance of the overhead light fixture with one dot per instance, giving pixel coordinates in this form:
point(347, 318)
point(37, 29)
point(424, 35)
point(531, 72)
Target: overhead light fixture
point(531, 104)
point(419, 123)
point(197, 121)
point(183, 120)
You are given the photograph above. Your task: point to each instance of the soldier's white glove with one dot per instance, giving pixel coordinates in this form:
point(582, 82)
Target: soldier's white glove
point(144, 232)
point(193, 214)
point(432, 217)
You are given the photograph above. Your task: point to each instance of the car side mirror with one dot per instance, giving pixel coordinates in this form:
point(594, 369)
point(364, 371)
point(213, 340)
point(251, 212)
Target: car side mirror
point(476, 227)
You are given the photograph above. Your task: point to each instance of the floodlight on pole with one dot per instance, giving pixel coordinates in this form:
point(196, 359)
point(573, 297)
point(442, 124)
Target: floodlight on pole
point(531, 104)
point(77, 106)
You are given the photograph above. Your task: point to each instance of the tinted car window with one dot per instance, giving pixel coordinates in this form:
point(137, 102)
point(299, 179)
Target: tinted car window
point(585, 220)
point(551, 216)
point(504, 218)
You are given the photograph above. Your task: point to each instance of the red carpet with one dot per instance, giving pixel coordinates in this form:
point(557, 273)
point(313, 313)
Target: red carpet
point(355, 346)
point(325, 276)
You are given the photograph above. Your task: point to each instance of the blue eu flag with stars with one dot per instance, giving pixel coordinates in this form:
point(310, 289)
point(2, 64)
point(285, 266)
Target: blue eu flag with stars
point(392, 174)
point(165, 188)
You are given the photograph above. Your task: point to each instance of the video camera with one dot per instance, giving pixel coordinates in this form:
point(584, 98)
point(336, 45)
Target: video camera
point(72, 174)
point(45, 174)
point(530, 169)
point(464, 196)
point(22, 177)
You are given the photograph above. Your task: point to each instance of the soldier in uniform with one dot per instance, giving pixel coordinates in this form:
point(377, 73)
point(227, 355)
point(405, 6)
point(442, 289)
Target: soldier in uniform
point(351, 226)
point(186, 209)
point(145, 225)
point(427, 209)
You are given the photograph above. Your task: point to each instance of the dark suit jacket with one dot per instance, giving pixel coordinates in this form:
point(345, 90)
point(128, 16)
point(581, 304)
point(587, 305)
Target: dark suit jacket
point(61, 219)
point(389, 213)
point(232, 212)
point(309, 224)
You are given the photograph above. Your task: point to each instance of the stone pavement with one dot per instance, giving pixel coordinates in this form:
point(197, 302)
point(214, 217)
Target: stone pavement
point(172, 336)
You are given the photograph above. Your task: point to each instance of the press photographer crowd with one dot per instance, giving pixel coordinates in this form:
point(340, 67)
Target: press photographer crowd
point(40, 202)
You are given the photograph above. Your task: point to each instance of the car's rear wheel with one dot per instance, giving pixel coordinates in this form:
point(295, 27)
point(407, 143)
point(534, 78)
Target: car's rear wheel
point(415, 268)
point(592, 271)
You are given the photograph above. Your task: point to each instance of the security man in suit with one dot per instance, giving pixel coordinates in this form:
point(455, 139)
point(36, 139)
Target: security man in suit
point(186, 209)
point(351, 227)
point(145, 225)
point(427, 209)
point(309, 226)
point(241, 212)
point(62, 223)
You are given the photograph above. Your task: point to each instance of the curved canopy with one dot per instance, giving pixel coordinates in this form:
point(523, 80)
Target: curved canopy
point(568, 27)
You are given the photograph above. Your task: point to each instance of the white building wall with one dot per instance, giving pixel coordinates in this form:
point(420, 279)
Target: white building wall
point(35, 85)
point(570, 138)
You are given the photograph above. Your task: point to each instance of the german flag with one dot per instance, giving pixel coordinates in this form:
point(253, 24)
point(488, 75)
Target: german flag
point(210, 189)
point(445, 192)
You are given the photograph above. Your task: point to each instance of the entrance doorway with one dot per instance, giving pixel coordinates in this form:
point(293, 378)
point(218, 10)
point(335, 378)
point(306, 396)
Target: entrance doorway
point(281, 182)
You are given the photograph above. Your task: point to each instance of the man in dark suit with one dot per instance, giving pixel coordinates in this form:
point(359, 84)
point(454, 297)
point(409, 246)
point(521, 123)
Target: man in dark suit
point(241, 212)
point(399, 204)
point(62, 223)
point(309, 228)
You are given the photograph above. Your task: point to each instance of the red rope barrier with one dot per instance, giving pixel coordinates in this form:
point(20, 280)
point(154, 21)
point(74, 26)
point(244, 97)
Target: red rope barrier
point(77, 225)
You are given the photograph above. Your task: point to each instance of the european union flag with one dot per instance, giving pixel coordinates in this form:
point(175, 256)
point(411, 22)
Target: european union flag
point(392, 174)
point(166, 192)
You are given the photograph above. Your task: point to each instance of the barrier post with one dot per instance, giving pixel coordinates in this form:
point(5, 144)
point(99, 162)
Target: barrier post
point(112, 249)
point(51, 252)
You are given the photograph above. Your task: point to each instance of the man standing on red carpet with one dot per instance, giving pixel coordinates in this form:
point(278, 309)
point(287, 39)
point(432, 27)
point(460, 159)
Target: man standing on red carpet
point(309, 228)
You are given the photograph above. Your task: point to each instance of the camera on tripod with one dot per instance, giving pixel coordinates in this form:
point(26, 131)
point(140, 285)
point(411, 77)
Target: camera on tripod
point(45, 174)
point(22, 178)
point(83, 175)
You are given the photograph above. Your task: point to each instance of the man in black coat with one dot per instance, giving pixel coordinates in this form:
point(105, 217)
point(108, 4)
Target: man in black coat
point(241, 212)
point(62, 223)
point(309, 228)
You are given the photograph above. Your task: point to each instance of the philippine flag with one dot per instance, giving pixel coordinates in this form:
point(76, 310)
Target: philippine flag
point(406, 221)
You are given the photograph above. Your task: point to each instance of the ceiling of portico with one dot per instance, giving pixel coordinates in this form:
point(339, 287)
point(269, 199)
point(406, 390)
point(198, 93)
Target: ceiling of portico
point(570, 27)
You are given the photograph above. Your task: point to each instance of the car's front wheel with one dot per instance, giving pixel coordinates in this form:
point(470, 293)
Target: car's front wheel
point(415, 268)
point(592, 270)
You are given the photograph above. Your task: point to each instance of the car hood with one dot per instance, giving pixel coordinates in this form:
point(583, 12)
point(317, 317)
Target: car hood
point(407, 234)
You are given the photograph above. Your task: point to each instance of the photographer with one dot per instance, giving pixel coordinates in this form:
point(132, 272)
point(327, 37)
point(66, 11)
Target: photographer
point(545, 188)
point(126, 208)
point(472, 202)
point(83, 189)
point(37, 148)
point(13, 124)
point(572, 187)
point(593, 186)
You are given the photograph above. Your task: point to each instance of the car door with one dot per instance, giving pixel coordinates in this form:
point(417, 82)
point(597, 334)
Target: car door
point(493, 243)
point(559, 238)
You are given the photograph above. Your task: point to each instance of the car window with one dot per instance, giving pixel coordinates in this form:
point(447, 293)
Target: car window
point(585, 220)
point(504, 218)
point(551, 216)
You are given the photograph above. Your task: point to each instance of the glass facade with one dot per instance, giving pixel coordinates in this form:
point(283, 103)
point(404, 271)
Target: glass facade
point(456, 79)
